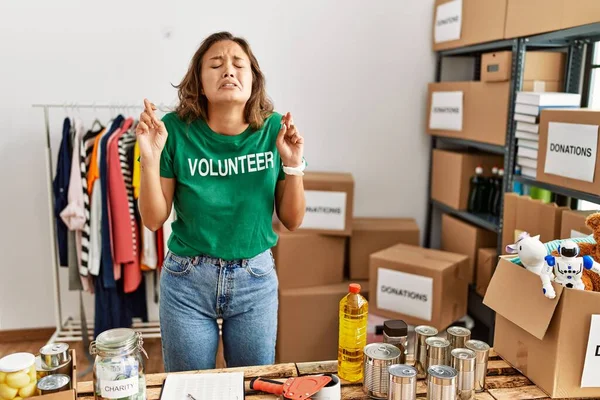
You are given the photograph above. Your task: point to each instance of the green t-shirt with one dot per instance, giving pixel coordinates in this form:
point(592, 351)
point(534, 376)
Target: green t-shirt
point(225, 188)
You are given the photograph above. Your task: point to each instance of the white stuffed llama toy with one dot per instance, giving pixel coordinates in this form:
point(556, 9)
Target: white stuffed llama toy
point(531, 251)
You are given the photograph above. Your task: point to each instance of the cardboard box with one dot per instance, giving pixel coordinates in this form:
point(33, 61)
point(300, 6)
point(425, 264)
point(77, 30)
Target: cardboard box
point(476, 22)
point(486, 263)
point(329, 203)
point(70, 394)
point(309, 321)
point(573, 224)
point(452, 172)
point(545, 339)
point(522, 213)
point(582, 163)
point(420, 286)
point(370, 235)
point(306, 259)
point(460, 237)
point(539, 66)
point(531, 17)
point(469, 110)
point(580, 12)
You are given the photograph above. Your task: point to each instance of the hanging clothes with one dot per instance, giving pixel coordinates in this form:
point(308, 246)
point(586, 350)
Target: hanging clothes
point(60, 188)
point(124, 228)
point(107, 262)
point(86, 149)
point(95, 193)
point(73, 214)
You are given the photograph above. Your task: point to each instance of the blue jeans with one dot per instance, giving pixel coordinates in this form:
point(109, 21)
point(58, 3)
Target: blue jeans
point(195, 291)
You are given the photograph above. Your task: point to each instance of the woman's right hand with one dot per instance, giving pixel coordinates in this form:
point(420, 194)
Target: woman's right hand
point(151, 133)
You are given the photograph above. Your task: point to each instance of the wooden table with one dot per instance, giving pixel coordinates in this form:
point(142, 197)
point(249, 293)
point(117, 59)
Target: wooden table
point(502, 382)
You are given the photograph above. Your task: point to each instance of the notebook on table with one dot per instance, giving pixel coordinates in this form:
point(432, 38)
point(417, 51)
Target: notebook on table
point(222, 386)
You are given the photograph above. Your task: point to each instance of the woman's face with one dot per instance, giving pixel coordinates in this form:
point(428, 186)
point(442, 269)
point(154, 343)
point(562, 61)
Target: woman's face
point(226, 74)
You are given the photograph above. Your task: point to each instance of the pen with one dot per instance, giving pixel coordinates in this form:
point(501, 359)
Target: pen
point(190, 397)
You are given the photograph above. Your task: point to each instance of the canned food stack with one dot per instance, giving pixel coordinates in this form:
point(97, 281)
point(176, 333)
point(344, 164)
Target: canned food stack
point(458, 336)
point(422, 333)
point(454, 366)
point(378, 358)
point(438, 351)
point(441, 382)
point(403, 382)
point(482, 351)
point(463, 361)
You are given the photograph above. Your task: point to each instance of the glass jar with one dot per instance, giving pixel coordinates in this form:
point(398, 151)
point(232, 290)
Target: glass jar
point(119, 366)
point(18, 377)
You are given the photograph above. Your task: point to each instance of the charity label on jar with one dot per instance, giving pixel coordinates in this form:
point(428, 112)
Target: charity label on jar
point(118, 378)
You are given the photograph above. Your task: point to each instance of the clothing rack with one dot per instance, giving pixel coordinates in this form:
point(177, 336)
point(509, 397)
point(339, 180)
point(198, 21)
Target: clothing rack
point(69, 329)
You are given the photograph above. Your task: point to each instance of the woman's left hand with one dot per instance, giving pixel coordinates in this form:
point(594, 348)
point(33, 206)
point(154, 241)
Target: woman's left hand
point(289, 143)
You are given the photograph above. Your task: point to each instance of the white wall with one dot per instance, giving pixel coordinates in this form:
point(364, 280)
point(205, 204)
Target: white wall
point(353, 74)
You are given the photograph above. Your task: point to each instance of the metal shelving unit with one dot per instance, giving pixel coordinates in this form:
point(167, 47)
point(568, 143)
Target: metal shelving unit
point(576, 41)
point(490, 148)
point(485, 221)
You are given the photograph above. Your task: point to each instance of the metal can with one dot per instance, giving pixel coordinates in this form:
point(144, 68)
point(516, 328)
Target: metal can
point(377, 359)
point(396, 332)
point(438, 351)
point(55, 355)
point(441, 382)
point(422, 332)
point(43, 370)
point(53, 384)
point(403, 382)
point(482, 352)
point(457, 335)
point(463, 361)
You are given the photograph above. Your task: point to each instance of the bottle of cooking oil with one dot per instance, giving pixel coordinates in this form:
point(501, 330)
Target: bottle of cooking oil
point(352, 335)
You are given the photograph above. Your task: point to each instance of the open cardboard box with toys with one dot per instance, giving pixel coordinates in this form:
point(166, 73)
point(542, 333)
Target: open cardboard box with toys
point(553, 340)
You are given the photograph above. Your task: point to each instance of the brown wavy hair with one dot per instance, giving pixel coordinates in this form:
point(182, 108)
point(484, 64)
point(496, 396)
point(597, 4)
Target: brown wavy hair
point(194, 105)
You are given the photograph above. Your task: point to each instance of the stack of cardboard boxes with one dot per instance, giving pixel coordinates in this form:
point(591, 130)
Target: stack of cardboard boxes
point(458, 23)
point(316, 263)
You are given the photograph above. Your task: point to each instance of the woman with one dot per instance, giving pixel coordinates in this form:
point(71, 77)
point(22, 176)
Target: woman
point(226, 161)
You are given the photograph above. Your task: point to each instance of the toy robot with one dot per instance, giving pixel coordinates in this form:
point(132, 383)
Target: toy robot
point(568, 268)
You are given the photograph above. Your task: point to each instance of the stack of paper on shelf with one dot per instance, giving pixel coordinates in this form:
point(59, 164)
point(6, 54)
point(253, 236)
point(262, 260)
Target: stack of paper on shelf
point(527, 112)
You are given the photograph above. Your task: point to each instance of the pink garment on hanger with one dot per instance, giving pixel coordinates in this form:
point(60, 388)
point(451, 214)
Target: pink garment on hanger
point(126, 261)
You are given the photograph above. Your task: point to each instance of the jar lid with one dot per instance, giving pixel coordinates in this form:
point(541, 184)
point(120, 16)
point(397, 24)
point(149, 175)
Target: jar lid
point(53, 382)
point(442, 371)
point(54, 349)
point(16, 362)
point(426, 330)
point(116, 338)
point(435, 341)
point(395, 328)
point(402, 371)
point(381, 351)
point(458, 331)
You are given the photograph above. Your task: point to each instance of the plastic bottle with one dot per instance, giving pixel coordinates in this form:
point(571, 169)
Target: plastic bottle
point(498, 197)
point(518, 186)
point(354, 310)
point(475, 191)
point(492, 183)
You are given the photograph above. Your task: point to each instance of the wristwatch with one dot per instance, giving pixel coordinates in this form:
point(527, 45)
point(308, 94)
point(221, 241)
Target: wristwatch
point(299, 171)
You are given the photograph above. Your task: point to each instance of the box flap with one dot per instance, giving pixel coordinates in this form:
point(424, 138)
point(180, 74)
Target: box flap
point(424, 258)
point(516, 294)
